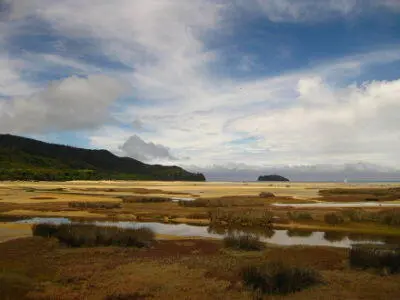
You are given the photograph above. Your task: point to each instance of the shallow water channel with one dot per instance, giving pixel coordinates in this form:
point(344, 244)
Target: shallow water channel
point(279, 237)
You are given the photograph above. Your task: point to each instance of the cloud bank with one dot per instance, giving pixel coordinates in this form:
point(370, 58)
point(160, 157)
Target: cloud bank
point(151, 78)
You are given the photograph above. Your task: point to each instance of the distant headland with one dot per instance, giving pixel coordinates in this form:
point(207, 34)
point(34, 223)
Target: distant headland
point(272, 178)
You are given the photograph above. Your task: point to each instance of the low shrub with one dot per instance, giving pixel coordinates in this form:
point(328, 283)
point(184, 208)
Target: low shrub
point(244, 242)
point(79, 235)
point(298, 233)
point(243, 218)
point(390, 217)
point(266, 195)
point(44, 230)
point(103, 205)
point(299, 216)
point(333, 219)
point(381, 257)
point(277, 278)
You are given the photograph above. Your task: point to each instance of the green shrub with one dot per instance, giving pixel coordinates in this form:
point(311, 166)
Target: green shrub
point(277, 278)
point(79, 235)
point(381, 257)
point(244, 242)
point(333, 219)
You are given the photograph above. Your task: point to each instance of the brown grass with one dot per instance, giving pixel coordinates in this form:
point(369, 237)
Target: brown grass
point(55, 272)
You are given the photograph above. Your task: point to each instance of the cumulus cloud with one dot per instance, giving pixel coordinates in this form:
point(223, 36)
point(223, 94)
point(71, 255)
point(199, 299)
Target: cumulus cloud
point(311, 115)
point(67, 104)
point(137, 148)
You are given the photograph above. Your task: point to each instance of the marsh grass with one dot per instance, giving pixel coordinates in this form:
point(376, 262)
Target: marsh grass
point(14, 285)
point(80, 235)
point(227, 201)
point(277, 278)
point(380, 257)
point(364, 194)
point(102, 205)
point(299, 216)
point(246, 242)
point(333, 219)
point(390, 217)
point(251, 218)
point(136, 199)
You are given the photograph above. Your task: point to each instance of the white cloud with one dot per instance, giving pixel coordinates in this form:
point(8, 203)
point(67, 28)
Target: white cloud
point(137, 148)
point(315, 10)
point(311, 115)
point(342, 125)
point(68, 104)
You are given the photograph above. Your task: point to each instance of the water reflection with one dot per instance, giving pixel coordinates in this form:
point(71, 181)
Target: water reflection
point(335, 236)
point(280, 237)
point(223, 230)
point(299, 233)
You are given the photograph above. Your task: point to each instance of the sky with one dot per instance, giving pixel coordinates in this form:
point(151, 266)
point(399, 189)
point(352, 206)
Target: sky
point(229, 88)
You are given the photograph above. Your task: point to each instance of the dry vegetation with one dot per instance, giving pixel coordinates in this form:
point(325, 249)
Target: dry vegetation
point(41, 268)
point(87, 262)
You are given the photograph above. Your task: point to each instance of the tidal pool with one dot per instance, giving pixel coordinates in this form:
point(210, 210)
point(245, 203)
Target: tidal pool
point(279, 237)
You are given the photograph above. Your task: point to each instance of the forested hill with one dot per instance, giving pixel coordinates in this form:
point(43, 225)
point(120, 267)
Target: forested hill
point(28, 159)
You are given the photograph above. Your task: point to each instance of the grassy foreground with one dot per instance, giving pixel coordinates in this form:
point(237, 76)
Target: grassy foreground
point(41, 268)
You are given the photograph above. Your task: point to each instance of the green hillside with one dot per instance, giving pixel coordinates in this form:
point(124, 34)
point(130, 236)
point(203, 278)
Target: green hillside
point(28, 159)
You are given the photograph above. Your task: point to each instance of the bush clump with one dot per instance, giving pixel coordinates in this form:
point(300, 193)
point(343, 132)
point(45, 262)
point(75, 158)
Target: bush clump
point(243, 218)
point(382, 257)
point(277, 278)
point(333, 219)
point(246, 242)
point(80, 235)
point(299, 216)
point(266, 195)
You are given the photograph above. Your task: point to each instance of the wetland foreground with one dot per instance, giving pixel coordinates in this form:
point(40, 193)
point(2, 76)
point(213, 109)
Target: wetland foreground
point(202, 241)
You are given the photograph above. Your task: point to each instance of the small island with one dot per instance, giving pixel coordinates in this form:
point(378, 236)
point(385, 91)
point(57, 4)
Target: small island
point(272, 178)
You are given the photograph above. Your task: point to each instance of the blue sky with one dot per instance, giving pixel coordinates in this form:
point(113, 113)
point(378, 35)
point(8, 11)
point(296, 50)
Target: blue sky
point(207, 84)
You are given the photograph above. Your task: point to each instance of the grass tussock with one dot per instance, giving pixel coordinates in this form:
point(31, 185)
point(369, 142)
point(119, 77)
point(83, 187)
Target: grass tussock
point(243, 218)
point(86, 235)
point(333, 219)
point(102, 205)
point(136, 199)
point(299, 216)
point(277, 278)
point(246, 242)
point(380, 257)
